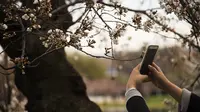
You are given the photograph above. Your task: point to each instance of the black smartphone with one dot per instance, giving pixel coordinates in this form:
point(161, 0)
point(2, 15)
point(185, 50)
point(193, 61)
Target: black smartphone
point(148, 58)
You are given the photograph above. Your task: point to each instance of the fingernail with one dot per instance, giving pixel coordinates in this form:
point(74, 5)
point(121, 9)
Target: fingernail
point(149, 65)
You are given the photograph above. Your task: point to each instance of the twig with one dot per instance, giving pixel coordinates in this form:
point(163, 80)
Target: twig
point(101, 18)
point(195, 80)
point(65, 6)
point(80, 17)
point(33, 66)
point(156, 21)
point(13, 67)
point(108, 57)
point(7, 73)
point(125, 8)
point(76, 9)
point(23, 39)
point(169, 29)
point(44, 54)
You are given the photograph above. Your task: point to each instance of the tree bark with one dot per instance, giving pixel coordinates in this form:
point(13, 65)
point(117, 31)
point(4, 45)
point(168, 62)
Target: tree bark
point(54, 85)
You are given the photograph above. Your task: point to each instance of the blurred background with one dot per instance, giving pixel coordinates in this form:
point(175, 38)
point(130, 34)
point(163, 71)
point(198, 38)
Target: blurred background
point(106, 79)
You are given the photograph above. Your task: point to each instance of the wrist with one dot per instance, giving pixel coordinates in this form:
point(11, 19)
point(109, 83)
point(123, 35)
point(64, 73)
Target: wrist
point(130, 86)
point(165, 83)
point(174, 91)
point(167, 86)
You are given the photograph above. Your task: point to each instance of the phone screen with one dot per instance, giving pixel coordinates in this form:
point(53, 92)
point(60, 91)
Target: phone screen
point(148, 59)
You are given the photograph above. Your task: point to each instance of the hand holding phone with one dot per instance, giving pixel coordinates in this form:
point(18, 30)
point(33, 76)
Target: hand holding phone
point(148, 59)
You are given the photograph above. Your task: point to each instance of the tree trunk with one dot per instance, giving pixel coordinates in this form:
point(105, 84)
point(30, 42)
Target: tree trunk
point(53, 85)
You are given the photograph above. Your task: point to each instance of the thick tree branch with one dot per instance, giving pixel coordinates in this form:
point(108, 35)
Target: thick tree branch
point(13, 67)
point(66, 6)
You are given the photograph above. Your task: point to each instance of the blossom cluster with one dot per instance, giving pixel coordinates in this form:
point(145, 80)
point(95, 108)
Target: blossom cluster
point(118, 31)
point(21, 63)
point(55, 37)
point(137, 20)
point(15, 12)
point(188, 10)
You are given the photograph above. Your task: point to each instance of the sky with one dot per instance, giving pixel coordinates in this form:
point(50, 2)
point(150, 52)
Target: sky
point(138, 38)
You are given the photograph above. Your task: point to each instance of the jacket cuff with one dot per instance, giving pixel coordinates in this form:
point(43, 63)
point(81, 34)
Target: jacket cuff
point(131, 93)
point(185, 100)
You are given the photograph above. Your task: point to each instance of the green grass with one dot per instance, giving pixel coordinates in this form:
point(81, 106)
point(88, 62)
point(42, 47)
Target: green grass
point(153, 102)
point(157, 102)
point(111, 105)
point(87, 66)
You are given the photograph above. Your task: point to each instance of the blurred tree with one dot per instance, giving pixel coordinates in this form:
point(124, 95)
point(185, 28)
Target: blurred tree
point(49, 83)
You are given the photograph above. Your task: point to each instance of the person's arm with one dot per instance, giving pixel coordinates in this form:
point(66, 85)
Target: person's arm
point(159, 79)
point(134, 100)
point(187, 100)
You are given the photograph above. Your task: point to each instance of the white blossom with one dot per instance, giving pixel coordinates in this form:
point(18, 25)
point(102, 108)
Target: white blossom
point(29, 29)
point(41, 38)
point(49, 31)
point(68, 39)
point(36, 26)
point(46, 45)
point(3, 26)
point(50, 15)
point(25, 17)
point(31, 15)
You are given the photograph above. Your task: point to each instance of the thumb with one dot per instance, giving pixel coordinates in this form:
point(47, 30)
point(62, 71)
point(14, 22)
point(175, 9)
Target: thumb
point(146, 78)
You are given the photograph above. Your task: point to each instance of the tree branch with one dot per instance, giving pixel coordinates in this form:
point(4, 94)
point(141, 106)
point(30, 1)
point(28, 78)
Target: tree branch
point(44, 54)
point(125, 8)
point(23, 38)
point(169, 29)
point(80, 17)
point(13, 67)
point(101, 18)
point(108, 57)
point(195, 80)
point(156, 21)
point(66, 5)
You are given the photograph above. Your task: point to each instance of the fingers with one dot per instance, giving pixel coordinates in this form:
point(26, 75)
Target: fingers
point(153, 69)
point(156, 66)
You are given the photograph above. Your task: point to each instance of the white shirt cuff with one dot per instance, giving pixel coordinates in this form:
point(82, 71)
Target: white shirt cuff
point(185, 100)
point(131, 92)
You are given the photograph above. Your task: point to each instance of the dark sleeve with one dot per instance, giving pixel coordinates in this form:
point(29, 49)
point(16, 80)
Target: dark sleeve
point(136, 104)
point(194, 105)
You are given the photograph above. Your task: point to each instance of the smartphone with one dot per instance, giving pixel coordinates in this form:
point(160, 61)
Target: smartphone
point(148, 59)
